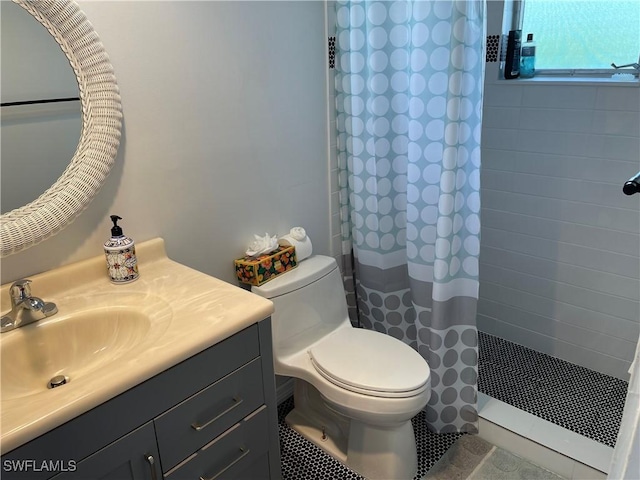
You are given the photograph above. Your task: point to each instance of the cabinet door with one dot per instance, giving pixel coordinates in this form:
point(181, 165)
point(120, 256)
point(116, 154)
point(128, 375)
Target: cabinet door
point(132, 457)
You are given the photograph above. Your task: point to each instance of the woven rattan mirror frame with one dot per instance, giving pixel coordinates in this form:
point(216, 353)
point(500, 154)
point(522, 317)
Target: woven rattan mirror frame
point(99, 140)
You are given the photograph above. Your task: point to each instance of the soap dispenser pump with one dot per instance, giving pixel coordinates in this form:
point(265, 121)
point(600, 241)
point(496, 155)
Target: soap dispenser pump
point(120, 251)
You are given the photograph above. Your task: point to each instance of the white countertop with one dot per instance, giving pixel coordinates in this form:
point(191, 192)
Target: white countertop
point(201, 309)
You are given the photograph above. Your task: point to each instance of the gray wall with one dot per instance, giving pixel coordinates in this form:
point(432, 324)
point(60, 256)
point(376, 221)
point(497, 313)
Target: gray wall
point(225, 132)
point(559, 262)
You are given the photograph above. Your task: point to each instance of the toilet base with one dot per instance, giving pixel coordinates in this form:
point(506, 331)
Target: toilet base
point(383, 453)
point(334, 445)
point(376, 452)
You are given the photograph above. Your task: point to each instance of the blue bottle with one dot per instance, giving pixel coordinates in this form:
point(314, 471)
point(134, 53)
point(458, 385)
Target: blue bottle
point(528, 58)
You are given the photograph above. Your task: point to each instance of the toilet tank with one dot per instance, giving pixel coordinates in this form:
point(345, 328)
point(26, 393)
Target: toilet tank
point(309, 303)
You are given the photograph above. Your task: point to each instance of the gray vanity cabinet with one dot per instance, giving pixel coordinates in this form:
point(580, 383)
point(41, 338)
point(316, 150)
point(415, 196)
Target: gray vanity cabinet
point(210, 416)
point(133, 457)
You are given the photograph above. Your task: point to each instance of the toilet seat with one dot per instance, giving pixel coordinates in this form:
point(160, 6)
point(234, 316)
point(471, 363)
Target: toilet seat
point(370, 363)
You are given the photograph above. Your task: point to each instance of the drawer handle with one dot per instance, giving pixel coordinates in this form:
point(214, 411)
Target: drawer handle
point(152, 464)
point(244, 453)
point(236, 403)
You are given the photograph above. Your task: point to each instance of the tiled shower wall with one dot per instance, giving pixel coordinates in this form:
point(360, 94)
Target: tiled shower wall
point(559, 261)
point(560, 248)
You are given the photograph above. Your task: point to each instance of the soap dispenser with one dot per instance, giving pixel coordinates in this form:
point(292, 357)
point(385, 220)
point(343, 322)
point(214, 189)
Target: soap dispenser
point(120, 251)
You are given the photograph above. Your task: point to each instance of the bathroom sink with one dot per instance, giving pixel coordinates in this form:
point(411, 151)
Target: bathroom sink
point(110, 338)
point(88, 341)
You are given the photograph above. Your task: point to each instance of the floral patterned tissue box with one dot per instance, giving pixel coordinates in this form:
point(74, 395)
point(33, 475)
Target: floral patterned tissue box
point(261, 269)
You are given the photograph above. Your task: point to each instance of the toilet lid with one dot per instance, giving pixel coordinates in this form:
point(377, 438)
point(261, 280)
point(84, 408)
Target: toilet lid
point(371, 363)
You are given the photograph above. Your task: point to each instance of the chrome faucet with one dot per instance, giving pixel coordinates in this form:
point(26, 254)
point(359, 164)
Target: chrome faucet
point(25, 309)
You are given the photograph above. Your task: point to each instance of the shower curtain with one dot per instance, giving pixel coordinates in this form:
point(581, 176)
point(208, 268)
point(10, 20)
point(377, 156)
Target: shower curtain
point(409, 79)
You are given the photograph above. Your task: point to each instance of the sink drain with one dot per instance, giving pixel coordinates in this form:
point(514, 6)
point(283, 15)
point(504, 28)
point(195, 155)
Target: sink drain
point(58, 381)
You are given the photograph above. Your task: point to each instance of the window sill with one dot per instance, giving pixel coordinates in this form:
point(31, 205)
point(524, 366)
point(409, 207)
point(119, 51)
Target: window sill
point(558, 80)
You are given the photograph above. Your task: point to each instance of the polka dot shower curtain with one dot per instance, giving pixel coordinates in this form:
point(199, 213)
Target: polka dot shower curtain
point(409, 78)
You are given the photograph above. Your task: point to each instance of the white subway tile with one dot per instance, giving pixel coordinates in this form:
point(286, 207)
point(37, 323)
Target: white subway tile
point(336, 244)
point(576, 255)
point(556, 120)
point(501, 95)
point(335, 224)
point(614, 147)
point(554, 96)
point(333, 140)
point(538, 308)
point(628, 288)
point(574, 189)
point(563, 231)
point(617, 98)
point(499, 139)
point(562, 166)
point(552, 291)
point(559, 143)
point(331, 17)
point(501, 117)
point(611, 122)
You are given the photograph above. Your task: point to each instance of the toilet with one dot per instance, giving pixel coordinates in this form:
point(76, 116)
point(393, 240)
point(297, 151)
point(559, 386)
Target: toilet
point(355, 390)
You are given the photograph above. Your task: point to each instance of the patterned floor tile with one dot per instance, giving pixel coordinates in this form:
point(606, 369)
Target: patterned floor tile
point(574, 397)
point(302, 460)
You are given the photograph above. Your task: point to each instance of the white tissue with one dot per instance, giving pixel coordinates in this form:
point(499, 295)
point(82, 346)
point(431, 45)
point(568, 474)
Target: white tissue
point(298, 233)
point(298, 238)
point(262, 245)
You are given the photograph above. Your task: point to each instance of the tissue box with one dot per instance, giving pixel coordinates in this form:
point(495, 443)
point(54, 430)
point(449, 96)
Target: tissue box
point(261, 269)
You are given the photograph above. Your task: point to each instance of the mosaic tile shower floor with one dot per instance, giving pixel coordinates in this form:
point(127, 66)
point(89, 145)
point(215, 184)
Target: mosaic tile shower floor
point(586, 402)
point(573, 397)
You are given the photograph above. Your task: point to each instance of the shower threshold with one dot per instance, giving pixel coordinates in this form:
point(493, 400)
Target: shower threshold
point(555, 448)
point(560, 408)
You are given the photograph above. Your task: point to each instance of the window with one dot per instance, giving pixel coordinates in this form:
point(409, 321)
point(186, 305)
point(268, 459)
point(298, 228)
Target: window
point(583, 34)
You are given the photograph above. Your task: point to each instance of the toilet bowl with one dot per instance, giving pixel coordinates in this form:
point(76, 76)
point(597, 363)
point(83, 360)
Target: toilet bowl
point(355, 390)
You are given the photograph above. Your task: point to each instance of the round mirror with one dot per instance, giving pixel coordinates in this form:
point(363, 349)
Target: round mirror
point(41, 118)
point(95, 153)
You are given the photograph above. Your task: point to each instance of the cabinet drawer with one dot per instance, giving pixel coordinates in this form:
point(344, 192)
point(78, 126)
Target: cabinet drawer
point(258, 470)
point(202, 417)
point(236, 454)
